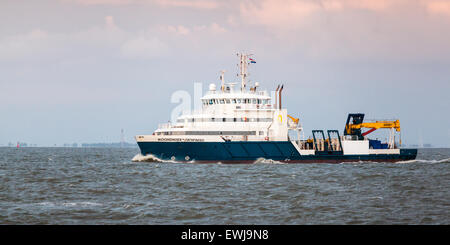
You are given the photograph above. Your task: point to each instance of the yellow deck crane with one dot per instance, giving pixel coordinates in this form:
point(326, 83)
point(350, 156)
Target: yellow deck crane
point(295, 120)
point(374, 126)
point(295, 125)
point(354, 127)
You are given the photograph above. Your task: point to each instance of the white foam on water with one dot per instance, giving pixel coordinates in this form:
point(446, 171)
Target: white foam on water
point(69, 204)
point(267, 161)
point(446, 160)
point(47, 204)
point(147, 158)
point(82, 204)
point(151, 158)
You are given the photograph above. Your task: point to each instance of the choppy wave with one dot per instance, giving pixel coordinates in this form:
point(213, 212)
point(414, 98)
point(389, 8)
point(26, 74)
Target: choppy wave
point(151, 158)
point(69, 204)
point(446, 160)
point(103, 186)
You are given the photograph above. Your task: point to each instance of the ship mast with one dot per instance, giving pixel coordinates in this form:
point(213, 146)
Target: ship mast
point(243, 65)
point(222, 79)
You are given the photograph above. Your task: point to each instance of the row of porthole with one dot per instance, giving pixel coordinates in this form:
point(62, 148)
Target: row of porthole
point(187, 158)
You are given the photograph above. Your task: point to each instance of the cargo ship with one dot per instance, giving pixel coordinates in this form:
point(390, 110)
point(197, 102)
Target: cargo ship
point(243, 124)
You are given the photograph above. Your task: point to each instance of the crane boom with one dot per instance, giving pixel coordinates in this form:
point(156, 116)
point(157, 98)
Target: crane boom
point(355, 123)
point(295, 120)
point(378, 124)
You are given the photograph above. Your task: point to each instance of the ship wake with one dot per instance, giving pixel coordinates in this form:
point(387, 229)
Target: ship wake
point(146, 158)
point(151, 158)
point(267, 161)
point(446, 160)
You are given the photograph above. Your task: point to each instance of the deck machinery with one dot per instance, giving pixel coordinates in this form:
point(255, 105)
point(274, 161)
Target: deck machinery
point(355, 123)
point(332, 145)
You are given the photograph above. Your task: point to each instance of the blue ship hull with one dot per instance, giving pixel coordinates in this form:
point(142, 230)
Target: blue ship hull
point(250, 151)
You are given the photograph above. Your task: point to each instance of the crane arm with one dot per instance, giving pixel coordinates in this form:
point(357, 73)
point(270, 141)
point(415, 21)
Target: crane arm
point(295, 120)
point(378, 125)
point(375, 125)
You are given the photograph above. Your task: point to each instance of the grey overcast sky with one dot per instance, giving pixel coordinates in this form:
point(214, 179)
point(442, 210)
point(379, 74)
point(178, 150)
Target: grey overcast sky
point(81, 70)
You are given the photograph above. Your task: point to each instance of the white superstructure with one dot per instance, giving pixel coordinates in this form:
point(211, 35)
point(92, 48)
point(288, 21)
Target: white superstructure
point(231, 113)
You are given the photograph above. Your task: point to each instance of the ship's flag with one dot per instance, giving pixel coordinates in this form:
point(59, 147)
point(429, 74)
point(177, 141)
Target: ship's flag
point(252, 60)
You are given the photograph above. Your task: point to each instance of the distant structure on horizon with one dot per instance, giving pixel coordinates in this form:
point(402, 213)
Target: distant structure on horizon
point(121, 144)
point(19, 144)
point(422, 145)
point(122, 138)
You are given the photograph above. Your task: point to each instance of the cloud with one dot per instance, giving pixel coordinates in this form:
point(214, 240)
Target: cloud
point(350, 29)
point(144, 47)
point(109, 21)
point(197, 4)
point(438, 7)
point(23, 45)
point(374, 5)
point(108, 40)
point(216, 28)
point(272, 13)
point(340, 5)
point(395, 29)
point(180, 29)
point(292, 13)
point(102, 2)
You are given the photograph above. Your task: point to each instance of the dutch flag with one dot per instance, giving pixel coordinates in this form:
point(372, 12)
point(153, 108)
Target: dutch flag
point(252, 60)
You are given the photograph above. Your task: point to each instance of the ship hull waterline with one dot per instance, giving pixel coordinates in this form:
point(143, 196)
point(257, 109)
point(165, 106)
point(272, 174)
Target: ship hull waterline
point(247, 152)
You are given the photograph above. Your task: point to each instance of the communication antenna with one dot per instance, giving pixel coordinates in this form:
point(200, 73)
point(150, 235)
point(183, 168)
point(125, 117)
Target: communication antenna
point(222, 79)
point(122, 138)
